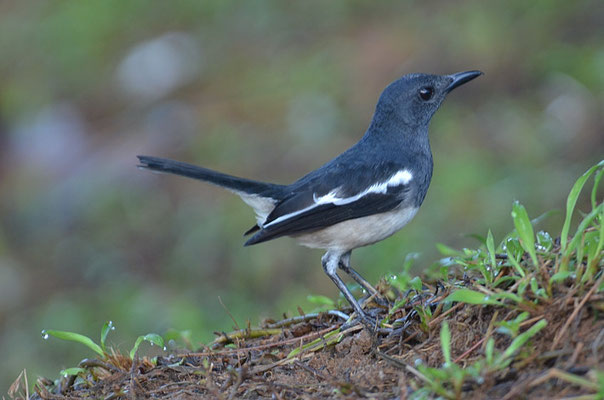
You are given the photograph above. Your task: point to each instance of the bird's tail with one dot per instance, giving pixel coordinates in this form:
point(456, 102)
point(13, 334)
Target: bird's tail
point(230, 182)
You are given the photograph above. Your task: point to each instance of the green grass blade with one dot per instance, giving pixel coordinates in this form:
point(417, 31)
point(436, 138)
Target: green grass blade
point(320, 300)
point(330, 338)
point(508, 296)
point(598, 252)
point(544, 242)
point(523, 338)
point(107, 327)
point(594, 190)
point(579, 381)
point(491, 250)
point(571, 201)
point(489, 351)
point(448, 251)
point(445, 342)
point(543, 217)
point(580, 230)
point(471, 297)
point(72, 371)
point(512, 260)
point(560, 276)
point(152, 338)
point(75, 337)
point(416, 283)
point(525, 230)
point(575, 241)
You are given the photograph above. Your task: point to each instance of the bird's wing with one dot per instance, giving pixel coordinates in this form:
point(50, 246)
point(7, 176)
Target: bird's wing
point(336, 196)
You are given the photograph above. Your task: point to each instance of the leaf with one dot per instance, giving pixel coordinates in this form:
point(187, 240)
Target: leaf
point(512, 245)
point(75, 337)
point(491, 250)
point(522, 285)
point(505, 280)
point(578, 235)
point(400, 281)
point(544, 216)
point(471, 297)
point(525, 230)
point(598, 253)
point(545, 241)
point(591, 241)
point(435, 373)
point(72, 371)
point(560, 276)
point(489, 350)
point(330, 338)
point(571, 201)
point(397, 306)
point(320, 300)
point(447, 251)
point(594, 190)
point(534, 285)
point(410, 258)
point(508, 296)
point(416, 283)
point(515, 263)
point(184, 336)
point(521, 317)
point(445, 342)
point(491, 247)
point(152, 338)
point(107, 327)
point(523, 338)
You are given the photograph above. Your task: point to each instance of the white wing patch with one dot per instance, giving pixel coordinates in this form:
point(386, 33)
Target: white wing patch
point(402, 177)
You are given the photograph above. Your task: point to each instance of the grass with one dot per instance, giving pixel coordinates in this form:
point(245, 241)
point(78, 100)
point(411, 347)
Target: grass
point(101, 351)
point(525, 286)
point(531, 297)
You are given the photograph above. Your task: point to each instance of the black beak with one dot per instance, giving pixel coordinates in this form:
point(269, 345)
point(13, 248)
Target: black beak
point(460, 78)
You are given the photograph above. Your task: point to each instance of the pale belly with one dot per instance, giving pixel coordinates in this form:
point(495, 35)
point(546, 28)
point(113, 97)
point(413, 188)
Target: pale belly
point(353, 233)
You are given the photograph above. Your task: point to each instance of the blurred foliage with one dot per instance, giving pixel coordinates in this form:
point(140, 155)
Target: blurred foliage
point(269, 90)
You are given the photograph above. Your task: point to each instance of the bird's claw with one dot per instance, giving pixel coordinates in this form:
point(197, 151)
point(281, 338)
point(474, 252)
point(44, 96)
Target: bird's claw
point(369, 322)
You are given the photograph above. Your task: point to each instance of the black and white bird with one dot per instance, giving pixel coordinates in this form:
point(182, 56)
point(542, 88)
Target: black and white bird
point(362, 196)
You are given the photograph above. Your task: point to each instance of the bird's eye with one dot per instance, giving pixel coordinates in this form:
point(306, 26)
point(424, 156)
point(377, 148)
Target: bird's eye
point(426, 93)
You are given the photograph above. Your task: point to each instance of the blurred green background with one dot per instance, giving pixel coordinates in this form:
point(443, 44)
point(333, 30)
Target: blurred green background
point(268, 90)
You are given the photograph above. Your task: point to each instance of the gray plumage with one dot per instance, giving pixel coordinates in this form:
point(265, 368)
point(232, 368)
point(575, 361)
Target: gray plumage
point(362, 196)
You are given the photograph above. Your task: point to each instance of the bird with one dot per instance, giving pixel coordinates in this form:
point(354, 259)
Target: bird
point(362, 196)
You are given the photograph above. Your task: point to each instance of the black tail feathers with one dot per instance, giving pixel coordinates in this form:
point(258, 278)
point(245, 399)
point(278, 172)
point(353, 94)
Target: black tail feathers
point(217, 178)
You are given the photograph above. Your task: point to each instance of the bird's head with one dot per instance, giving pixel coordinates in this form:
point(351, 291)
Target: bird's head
point(413, 99)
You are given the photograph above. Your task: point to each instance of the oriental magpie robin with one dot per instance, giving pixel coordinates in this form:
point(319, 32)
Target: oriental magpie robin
point(362, 196)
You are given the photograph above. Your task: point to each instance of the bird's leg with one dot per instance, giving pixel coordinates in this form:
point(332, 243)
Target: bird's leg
point(330, 262)
point(344, 265)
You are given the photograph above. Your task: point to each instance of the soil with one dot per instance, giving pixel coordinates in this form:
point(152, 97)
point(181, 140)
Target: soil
point(352, 362)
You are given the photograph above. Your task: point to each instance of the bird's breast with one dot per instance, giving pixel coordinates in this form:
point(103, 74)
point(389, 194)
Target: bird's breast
point(358, 232)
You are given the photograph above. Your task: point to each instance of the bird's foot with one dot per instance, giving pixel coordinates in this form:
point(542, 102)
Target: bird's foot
point(369, 322)
point(376, 298)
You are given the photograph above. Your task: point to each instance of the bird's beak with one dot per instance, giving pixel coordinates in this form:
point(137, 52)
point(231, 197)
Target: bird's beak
point(460, 78)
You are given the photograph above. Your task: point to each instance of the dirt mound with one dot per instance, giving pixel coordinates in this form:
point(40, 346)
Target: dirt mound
point(316, 356)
